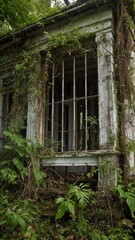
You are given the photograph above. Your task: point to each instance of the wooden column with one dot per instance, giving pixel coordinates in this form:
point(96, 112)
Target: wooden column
point(36, 101)
point(106, 89)
point(32, 117)
point(107, 109)
point(35, 119)
point(130, 120)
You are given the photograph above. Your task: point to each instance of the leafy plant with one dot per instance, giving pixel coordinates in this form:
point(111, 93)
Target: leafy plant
point(81, 193)
point(70, 39)
point(16, 214)
point(22, 166)
point(97, 235)
point(16, 14)
point(120, 233)
point(77, 197)
point(129, 196)
point(92, 120)
point(80, 227)
point(65, 205)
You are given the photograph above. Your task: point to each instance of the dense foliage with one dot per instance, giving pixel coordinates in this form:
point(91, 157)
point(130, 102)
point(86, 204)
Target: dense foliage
point(16, 14)
point(33, 205)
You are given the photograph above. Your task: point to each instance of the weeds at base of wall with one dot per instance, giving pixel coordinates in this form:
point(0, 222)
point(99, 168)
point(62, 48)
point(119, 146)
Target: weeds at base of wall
point(30, 218)
point(33, 219)
point(49, 211)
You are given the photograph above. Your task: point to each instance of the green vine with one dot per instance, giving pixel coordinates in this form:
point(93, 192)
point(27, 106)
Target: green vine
point(20, 75)
point(64, 42)
point(124, 73)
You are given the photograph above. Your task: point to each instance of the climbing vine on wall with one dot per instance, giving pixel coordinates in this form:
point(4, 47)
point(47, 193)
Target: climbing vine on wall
point(124, 71)
point(124, 46)
point(31, 72)
point(29, 75)
point(20, 75)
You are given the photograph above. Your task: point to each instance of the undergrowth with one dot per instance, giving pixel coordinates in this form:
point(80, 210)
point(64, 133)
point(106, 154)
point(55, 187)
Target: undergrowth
point(33, 205)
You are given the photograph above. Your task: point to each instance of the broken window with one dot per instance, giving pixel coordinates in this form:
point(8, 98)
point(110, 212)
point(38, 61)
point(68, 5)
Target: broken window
point(71, 116)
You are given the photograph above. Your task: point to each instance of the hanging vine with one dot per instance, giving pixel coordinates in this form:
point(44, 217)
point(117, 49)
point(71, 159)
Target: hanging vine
point(124, 75)
point(31, 72)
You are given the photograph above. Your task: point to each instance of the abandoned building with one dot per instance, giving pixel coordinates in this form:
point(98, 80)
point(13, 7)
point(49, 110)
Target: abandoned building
point(64, 77)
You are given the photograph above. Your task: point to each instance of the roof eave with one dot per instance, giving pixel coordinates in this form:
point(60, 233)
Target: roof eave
point(71, 11)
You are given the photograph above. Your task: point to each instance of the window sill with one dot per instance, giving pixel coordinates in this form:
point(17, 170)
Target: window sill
point(84, 158)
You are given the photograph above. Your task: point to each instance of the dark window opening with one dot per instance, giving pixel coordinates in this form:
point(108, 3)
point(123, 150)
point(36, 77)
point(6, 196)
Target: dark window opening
point(74, 174)
point(71, 116)
point(6, 104)
point(6, 108)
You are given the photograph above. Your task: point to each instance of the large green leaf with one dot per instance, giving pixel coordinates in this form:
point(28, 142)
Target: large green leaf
point(59, 200)
point(129, 196)
point(18, 163)
point(71, 207)
point(2, 222)
point(21, 221)
point(121, 191)
point(8, 147)
point(61, 211)
point(131, 203)
point(81, 193)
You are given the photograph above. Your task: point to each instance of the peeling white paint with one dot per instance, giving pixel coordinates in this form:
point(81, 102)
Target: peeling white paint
point(107, 102)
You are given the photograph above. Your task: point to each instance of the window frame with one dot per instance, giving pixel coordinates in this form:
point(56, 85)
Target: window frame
point(5, 91)
point(73, 99)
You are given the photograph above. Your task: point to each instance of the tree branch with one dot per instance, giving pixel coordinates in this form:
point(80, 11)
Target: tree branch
point(67, 2)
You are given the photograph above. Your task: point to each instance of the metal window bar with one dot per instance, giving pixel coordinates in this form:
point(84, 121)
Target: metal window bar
point(46, 123)
point(52, 116)
point(62, 120)
point(74, 125)
point(86, 111)
point(74, 100)
point(47, 120)
point(77, 99)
